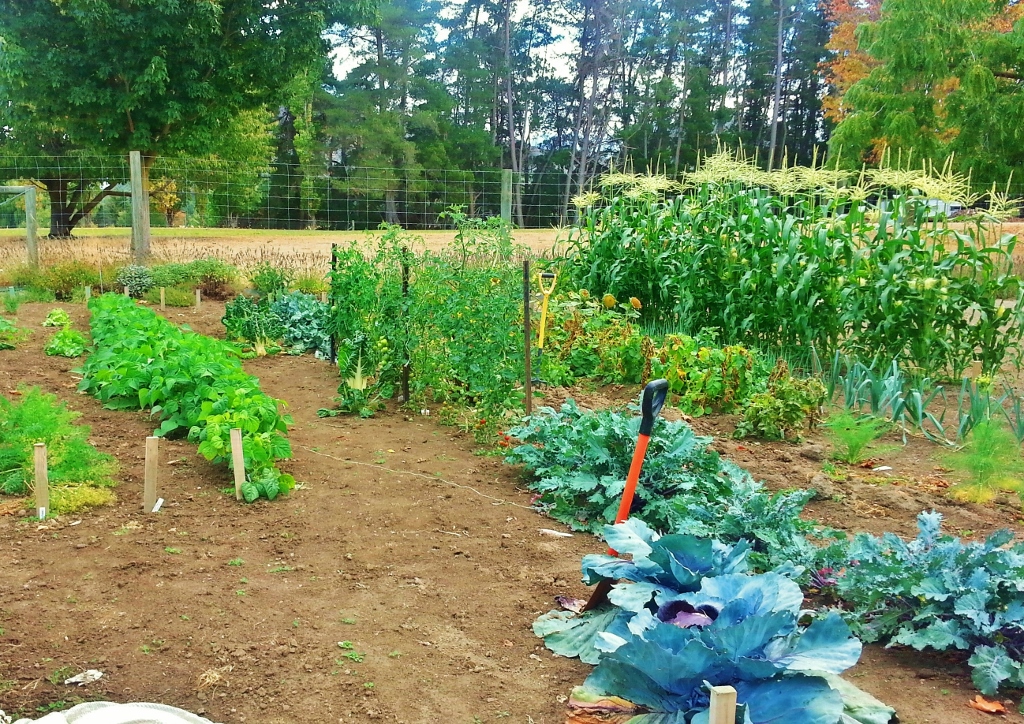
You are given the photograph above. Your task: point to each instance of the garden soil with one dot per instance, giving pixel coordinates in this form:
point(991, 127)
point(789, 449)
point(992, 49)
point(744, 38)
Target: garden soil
point(398, 583)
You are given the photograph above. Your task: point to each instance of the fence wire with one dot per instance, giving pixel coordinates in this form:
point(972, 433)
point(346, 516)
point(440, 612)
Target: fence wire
point(208, 193)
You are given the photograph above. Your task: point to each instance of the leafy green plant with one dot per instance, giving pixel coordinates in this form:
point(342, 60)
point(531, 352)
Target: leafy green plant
point(578, 461)
point(252, 321)
point(79, 475)
point(10, 335)
point(66, 343)
point(305, 320)
point(851, 435)
point(195, 384)
point(136, 278)
point(64, 278)
point(989, 462)
point(784, 408)
point(57, 318)
point(706, 378)
point(938, 592)
point(270, 281)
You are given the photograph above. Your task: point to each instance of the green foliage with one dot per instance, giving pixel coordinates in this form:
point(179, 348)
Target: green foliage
point(136, 278)
point(182, 295)
point(457, 328)
point(989, 462)
point(851, 435)
point(195, 384)
point(57, 318)
point(306, 321)
point(66, 343)
point(578, 462)
point(706, 378)
point(67, 277)
point(781, 411)
point(78, 473)
point(10, 335)
point(938, 592)
point(253, 321)
point(792, 271)
point(270, 281)
point(586, 339)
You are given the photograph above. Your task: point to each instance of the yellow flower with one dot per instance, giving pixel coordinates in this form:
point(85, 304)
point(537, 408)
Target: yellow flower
point(635, 303)
point(584, 294)
point(495, 280)
point(609, 301)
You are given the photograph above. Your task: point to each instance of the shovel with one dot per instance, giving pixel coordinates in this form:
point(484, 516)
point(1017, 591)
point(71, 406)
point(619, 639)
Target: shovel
point(653, 400)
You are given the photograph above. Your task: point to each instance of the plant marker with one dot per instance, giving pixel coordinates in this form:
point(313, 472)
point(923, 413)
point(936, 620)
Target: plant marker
point(42, 482)
point(653, 400)
point(199, 298)
point(237, 460)
point(159, 502)
point(723, 705)
point(88, 294)
point(163, 300)
point(126, 292)
point(323, 297)
point(152, 469)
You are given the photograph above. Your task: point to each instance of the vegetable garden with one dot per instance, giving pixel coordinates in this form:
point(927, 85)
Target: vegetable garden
point(843, 368)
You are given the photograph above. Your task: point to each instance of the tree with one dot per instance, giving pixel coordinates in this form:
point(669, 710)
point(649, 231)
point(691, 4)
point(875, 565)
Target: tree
point(849, 63)
point(160, 77)
point(949, 81)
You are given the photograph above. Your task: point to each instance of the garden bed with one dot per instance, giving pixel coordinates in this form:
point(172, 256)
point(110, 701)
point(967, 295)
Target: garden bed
point(433, 572)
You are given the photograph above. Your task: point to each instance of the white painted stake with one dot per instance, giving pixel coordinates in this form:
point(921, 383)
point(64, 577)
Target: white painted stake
point(152, 472)
point(42, 481)
point(237, 460)
point(723, 705)
point(159, 502)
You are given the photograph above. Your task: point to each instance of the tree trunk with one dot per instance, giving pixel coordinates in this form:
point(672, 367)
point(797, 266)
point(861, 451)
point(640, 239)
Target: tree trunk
point(67, 207)
point(390, 206)
point(777, 100)
point(60, 214)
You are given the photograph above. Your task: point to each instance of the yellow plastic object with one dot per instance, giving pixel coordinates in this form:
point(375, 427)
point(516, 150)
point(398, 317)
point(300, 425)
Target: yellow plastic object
point(544, 306)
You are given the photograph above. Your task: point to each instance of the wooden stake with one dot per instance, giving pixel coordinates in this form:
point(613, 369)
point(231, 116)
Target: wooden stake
point(199, 298)
point(163, 299)
point(126, 292)
point(42, 482)
point(238, 461)
point(88, 294)
point(323, 297)
point(152, 470)
point(723, 705)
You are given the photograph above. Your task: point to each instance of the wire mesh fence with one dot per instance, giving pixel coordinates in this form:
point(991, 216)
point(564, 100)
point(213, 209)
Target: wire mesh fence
point(210, 193)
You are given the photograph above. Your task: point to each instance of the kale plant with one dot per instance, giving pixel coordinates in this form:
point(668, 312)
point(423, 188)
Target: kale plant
point(305, 320)
point(579, 460)
point(254, 322)
point(938, 592)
